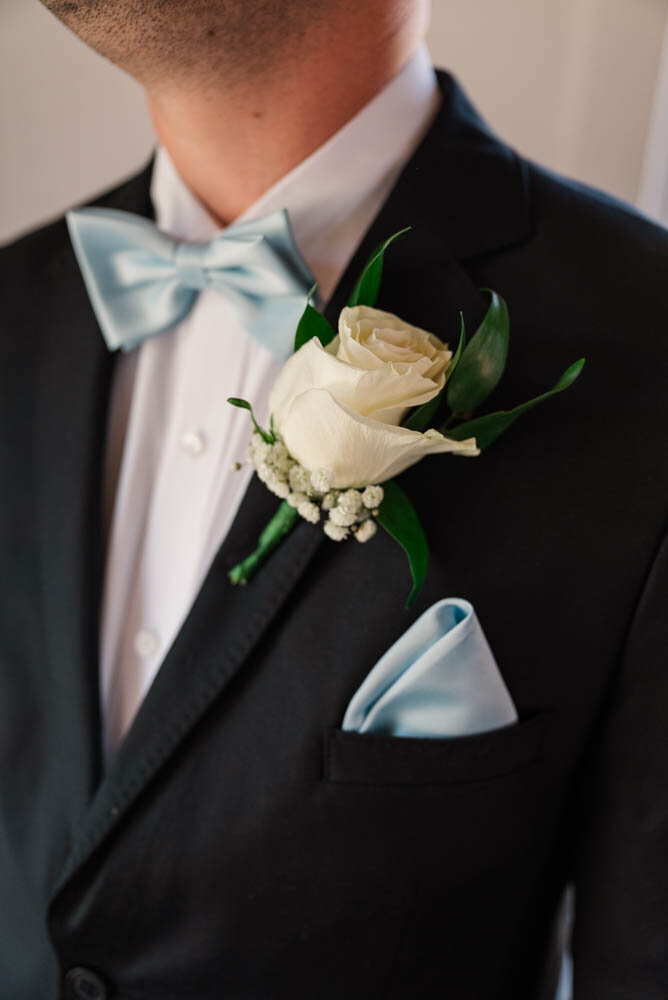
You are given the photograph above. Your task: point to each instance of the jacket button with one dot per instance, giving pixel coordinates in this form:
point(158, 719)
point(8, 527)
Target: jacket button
point(82, 984)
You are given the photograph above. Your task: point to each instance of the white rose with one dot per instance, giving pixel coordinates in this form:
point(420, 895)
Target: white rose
point(339, 408)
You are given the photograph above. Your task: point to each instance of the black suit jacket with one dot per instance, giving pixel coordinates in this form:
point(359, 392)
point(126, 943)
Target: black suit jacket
point(242, 846)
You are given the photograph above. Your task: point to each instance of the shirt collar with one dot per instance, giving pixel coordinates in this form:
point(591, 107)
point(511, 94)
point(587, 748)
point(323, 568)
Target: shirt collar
point(333, 195)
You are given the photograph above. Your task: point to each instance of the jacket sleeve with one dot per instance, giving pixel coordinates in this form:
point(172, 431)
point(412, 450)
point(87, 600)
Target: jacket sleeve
point(620, 943)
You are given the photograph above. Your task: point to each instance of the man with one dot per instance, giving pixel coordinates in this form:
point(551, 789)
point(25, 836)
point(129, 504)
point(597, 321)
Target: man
point(182, 815)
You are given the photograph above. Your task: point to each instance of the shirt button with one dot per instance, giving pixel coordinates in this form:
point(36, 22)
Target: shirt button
point(83, 984)
point(146, 643)
point(193, 443)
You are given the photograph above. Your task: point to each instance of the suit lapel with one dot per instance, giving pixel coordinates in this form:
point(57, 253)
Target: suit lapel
point(462, 193)
point(222, 629)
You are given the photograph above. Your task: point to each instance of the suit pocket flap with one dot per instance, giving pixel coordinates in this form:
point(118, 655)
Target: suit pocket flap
point(368, 759)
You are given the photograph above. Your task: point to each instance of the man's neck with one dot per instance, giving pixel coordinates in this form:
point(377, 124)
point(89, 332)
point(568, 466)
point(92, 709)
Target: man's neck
point(231, 144)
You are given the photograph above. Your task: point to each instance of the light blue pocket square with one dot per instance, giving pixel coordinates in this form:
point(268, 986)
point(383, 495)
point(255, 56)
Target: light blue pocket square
point(439, 679)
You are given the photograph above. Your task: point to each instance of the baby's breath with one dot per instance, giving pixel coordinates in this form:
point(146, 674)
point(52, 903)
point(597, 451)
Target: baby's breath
point(310, 492)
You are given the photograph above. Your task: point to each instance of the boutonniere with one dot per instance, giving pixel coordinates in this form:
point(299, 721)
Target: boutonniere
point(351, 410)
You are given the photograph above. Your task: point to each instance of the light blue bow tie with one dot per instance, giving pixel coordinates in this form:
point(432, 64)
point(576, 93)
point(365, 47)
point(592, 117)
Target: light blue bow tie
point(141, 282)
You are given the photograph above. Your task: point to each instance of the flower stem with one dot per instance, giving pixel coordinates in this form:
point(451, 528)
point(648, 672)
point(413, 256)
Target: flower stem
point(280, 525)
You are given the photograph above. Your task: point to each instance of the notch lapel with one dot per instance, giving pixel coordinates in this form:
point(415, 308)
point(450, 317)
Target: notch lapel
point(463, 193)
point(224, 626)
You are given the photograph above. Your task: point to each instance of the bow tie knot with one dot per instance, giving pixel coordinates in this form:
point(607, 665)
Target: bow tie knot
point(193, 276)
point(141, 282)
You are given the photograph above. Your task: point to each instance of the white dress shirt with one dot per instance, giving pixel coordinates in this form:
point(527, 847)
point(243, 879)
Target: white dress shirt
point(171, 492)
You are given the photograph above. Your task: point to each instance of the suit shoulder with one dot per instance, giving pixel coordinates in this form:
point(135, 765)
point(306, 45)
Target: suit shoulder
point(586, 255)
point(591, 222)
point(29, 257)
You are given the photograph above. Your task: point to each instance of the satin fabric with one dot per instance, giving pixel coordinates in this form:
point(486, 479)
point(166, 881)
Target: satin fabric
point(439, 679)
point(142, 282)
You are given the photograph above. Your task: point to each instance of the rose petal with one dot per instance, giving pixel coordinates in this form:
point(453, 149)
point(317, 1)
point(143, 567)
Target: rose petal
point(385, 394)
point(322, 433)
point(370, 337)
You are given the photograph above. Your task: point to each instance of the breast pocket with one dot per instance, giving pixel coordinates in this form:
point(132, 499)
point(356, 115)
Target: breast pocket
point(368, 759)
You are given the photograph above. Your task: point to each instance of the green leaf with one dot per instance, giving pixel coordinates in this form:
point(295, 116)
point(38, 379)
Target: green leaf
point(243, 404)
point(365, 291)
point(398, 517)
point(313, 324)
point(488, 428)
point(458, 353)
point(483, 362)
point(420, 418)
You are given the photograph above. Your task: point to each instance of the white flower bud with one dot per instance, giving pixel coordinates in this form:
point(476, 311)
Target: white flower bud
point(321, 480)
point(278, 486)
point(294, 499)
point(335, 531)
point(259, 450)
point(350, 501)
point(373, 496)
point(341, 517)
point(329, 500)
point(299, 479)
point(366, 530)
point(278, 456)
point(309, 511)
point(264, 472)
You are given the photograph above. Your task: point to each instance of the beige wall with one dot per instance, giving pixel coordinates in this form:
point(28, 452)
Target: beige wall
point(569, 82)
point(70, 123)
point(653, 197)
